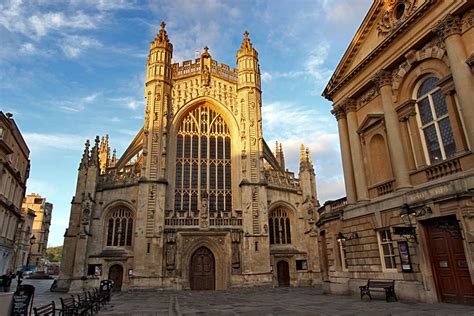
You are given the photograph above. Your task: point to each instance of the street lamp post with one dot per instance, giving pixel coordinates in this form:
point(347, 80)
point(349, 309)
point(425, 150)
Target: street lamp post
point(32, 241)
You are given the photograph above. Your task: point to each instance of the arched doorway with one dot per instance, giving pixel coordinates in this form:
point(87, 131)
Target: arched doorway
point(202, 270)
point(283, 272)
point(116, 275)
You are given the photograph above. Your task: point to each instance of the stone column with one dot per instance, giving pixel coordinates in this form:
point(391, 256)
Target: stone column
point(346, 154)
point(356, 151)
point(449, 29)
point(383, 82)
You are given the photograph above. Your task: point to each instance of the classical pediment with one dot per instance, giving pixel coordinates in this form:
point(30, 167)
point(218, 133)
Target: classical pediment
point(383, 22)
point(370, 121)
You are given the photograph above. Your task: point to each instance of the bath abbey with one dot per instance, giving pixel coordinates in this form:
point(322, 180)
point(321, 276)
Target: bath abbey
point(198, 200)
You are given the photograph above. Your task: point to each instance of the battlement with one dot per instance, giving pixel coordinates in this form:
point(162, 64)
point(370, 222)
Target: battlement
point(188, 67)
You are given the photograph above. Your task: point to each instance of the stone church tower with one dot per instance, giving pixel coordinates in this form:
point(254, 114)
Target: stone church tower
point(198, 200)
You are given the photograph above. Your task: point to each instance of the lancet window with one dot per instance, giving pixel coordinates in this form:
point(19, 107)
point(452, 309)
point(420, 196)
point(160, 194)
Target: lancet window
point(279, 226)
point(203, 162)
point(120, 227)
point(434, 121)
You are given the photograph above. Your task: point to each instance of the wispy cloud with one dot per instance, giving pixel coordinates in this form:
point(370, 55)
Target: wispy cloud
point(129, 102)
point(77, 104)
point(74, 45)
point(42, 142)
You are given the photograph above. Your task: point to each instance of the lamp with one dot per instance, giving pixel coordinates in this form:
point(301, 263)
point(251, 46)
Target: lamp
point(341, 237)
point(408, 215)
point(32, 241)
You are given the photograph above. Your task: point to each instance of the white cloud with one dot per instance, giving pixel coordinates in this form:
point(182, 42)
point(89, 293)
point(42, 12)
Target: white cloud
point(266, 76)
point(77, 104)
point(129, 102)
point(38, 142)
point(315, 64)
point(28, 48)
point(74, 45)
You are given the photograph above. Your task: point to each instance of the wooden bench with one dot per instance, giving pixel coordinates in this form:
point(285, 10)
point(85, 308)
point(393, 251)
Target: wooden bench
point(379, 285)
point(84, 304)
point(47, 310)
point(68, 306)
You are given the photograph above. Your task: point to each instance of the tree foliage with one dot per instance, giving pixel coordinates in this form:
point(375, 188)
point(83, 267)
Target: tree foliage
point(53, 254)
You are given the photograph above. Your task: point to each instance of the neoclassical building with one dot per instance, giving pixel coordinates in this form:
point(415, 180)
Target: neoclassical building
point(403, 97)
point(14, 171)
point(198, 200)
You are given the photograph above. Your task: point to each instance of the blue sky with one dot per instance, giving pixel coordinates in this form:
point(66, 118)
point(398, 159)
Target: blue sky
point(70, 70)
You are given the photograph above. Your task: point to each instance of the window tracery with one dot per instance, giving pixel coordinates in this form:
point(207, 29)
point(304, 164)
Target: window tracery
point(279, 226)
point(434, 121)
point(203, 162)
point(120, 227)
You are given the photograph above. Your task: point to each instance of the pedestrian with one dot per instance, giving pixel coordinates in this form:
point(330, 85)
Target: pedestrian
point(19, 277)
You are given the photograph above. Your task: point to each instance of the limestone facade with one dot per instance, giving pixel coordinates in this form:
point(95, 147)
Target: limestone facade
point(403, 98)
point(198, 200)
point(40, 229)
point(14, 171)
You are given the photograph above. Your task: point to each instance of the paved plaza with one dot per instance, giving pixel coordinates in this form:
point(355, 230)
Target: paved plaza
point(277, 301)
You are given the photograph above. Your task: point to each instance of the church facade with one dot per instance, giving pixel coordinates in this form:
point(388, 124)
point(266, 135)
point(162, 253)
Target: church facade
point(198, 200)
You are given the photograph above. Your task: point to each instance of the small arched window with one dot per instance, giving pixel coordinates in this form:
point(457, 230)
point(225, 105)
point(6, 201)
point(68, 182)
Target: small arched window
point(120, 227)
point(279, 226)
point(434, 121)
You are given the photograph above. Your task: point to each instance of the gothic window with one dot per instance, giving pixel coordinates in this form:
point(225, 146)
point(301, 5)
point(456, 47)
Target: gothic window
point(434, 121)
point(120, 227)
point(279, 226)
point(203, 162)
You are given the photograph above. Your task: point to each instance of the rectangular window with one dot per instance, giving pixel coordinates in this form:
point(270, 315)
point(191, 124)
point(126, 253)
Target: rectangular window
point(94, 269)
point(343, 254)
point(387, 255)
point(301, 265)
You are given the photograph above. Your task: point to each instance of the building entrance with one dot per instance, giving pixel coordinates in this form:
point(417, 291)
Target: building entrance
point(202, 270)
point(283, 272)
point(448, 261)
point(116, 275)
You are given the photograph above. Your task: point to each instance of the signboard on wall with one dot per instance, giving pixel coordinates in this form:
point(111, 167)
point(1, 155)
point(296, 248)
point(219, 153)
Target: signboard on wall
point(405, 259)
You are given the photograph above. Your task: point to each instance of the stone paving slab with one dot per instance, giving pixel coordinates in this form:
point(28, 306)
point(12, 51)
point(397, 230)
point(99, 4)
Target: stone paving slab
point(253, 301)
point(260, 302)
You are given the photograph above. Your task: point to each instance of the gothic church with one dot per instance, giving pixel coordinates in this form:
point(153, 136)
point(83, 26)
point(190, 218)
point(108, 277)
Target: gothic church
point(198, 200)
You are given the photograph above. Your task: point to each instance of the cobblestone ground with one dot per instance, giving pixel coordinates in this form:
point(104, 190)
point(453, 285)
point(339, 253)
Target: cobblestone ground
point(260, 302)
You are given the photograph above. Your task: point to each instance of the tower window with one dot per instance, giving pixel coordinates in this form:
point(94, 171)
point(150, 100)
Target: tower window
point(279, 227)
point(120, 227)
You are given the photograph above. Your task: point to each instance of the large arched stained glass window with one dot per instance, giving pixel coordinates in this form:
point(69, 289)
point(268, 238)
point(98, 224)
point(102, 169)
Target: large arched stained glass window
point(280, 227)
point(434, 121)
point(120, 227)
point(203, 162)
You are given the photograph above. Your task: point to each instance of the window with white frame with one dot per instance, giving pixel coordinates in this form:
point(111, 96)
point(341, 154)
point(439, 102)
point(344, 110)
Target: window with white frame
point(434, 121)
point(387, 255)
point(343, 254)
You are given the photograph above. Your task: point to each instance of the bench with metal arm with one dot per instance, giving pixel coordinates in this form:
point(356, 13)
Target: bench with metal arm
point(379, 285)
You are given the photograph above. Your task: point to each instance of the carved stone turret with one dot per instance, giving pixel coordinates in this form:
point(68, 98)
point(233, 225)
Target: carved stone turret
point(104, 154)
point(85, 156)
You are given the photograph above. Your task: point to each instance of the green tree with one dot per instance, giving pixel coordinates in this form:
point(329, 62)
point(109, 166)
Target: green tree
point(53, 254)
